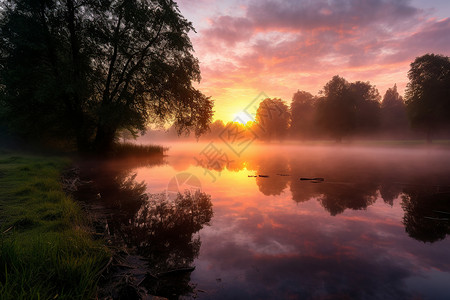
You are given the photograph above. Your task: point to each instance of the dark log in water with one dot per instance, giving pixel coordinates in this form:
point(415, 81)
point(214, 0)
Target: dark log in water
point(314, 179)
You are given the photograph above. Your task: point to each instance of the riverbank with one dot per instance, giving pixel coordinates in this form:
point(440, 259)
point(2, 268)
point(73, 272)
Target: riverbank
point(46, 247)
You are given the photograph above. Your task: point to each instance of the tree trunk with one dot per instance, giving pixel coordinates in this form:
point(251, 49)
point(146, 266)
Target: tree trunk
point(76, 112)
point(83, 145)
point(104, 139)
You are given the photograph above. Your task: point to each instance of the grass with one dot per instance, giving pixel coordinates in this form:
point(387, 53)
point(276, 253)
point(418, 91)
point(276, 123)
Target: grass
point(46, 251)
point(121, 150)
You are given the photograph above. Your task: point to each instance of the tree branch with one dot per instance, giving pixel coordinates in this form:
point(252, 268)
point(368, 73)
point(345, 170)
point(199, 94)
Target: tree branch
point(106, 95)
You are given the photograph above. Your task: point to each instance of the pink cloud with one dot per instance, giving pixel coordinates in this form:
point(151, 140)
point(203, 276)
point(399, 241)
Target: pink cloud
point(229, 29)
point(300, 15)
point(281, 46)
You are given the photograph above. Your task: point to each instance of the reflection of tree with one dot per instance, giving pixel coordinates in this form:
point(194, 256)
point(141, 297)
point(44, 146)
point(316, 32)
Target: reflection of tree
point(336, 198)
point(275, 184)
point(349, 183)
point(423, 219)
point(116, 189)
point(153, 226)
point(165, 230)
point(303, 191)
point(124, 197)
point(164, 233)
point(390, 192)
point(303, 166)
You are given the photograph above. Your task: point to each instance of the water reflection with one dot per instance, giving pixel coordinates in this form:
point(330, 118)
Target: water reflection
point(277, 183)
point(164, 232)
point(159, 228)
point(427, 213)
point(374, 229)
point(389, 192)
point(355, 179)
point(357, 235)
point(336, 198)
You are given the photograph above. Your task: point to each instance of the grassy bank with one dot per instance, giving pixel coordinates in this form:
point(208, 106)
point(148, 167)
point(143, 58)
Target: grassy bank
point(46, 251)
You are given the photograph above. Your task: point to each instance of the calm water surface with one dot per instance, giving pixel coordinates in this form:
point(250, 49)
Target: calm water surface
point(375, 228)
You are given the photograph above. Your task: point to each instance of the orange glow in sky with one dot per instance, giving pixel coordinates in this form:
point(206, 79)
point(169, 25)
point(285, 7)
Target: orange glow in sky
point(277, 47)
point(243, 117)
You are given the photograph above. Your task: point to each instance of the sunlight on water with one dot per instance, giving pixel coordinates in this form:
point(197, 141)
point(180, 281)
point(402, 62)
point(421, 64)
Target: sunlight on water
point(363, 232)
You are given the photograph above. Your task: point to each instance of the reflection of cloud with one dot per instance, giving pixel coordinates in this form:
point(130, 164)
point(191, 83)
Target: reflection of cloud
point(353, 259)
point(261, 245)
point(312, 267)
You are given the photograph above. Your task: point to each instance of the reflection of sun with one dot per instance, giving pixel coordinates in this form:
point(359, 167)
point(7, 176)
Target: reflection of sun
point(242, 117)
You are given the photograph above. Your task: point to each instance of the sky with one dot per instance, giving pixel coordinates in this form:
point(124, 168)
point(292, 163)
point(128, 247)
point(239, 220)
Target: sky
point(275, 47)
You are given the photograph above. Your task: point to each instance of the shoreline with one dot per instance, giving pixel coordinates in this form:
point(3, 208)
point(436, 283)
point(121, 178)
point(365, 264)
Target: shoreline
point(47, 250)
point(125, 270)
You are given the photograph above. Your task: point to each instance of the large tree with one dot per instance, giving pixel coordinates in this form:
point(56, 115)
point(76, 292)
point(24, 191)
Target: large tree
point(348, 108)
point(428, 93)
point(336, 110)
point(393, 113)
point(272, 119)
point(302, 115)
point(84, 69)
point(366, 100)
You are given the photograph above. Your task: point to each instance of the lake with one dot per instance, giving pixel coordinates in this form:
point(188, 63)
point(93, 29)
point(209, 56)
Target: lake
point(365, 223)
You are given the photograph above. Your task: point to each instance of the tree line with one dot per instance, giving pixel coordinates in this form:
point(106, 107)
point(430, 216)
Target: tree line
point(347, 109)
point(81, 72)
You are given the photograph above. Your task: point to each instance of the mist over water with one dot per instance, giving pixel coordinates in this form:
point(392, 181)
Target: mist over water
point(375, 228)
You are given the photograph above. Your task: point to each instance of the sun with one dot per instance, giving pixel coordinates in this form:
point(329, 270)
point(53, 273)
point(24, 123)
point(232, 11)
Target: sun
point(242, 117)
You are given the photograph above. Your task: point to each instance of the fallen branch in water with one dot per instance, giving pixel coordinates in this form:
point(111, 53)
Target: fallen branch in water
point(314, 179)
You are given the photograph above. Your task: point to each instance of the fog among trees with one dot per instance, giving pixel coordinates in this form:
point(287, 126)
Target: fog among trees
point(353, 110)
point(87, 73)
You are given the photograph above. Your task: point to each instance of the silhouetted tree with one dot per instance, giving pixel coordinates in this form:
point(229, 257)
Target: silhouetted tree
point(216, 128)
point(336, 113)
point(428, 93)
point(367, 103)
point(393, 112)
point(347, 108)
point(272, 119)
point(88, 69)
point(302, 115)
